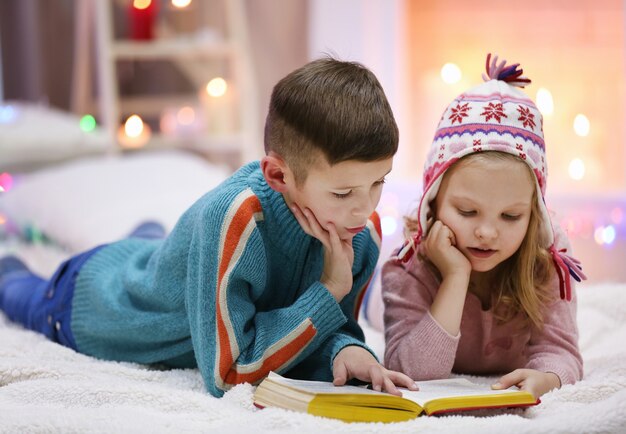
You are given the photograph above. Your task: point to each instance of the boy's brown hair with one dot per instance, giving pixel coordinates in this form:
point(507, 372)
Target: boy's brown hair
point(335, 107)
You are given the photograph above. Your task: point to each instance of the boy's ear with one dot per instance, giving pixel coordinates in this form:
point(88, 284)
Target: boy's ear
point(274, 168)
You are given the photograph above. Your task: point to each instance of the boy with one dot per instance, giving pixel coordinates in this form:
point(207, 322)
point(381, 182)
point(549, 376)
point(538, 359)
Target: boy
point(262, 273)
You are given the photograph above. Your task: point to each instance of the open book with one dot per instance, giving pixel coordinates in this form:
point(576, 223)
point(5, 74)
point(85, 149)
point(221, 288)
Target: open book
point(359, 404)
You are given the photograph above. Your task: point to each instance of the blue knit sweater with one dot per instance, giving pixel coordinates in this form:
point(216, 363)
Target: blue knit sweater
point(234, 290)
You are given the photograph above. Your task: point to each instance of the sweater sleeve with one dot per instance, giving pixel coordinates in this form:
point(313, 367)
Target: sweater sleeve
point(233, 342)
point(554, 348)
point(319, 366)
point(415, 342)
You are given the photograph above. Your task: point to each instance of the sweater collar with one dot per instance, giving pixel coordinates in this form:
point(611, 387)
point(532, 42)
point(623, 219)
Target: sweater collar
point(278, 218)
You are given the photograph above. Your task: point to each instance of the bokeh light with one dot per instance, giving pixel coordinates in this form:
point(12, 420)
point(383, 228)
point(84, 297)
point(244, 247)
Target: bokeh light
point(7, 114)
point(87, 123)
point(605, 235)
point(617, 215)
point(141, 4)
point(389, 225)
point(217, 87)
point(545, 103)
point(451, 73)
point(6, 181)
point(181, 3)
point(576, 169)
point(186, 115)
point(581, 125)
point(133, 126)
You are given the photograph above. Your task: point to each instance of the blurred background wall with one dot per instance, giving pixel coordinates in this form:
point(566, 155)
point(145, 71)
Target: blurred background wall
point(425, 52)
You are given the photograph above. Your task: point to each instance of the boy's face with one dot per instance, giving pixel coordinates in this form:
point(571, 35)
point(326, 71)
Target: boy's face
point(344, 194)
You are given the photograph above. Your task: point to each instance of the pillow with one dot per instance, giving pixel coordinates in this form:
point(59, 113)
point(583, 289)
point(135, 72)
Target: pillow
point(95, 200)
point(32, 134)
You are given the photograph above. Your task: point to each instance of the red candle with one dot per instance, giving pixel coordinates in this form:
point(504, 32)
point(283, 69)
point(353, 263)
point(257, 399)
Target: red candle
point(141, 18)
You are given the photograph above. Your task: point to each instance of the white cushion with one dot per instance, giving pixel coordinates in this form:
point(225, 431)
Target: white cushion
point(100, 199)
point(32, 134)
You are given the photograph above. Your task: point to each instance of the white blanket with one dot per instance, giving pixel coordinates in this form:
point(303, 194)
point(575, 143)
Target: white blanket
point(45, 387)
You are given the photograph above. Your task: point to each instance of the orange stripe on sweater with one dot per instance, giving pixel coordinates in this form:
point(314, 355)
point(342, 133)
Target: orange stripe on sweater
point(374, 218)
point(359, 299)
point(240, 220)
point(273, 362)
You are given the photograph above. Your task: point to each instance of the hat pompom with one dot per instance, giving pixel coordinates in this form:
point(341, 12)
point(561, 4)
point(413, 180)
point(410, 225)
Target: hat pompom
point(503, 72)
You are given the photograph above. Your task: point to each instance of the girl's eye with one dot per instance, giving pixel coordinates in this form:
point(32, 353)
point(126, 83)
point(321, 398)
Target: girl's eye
point(467, 213)
point(342, 195)
point(381, 182)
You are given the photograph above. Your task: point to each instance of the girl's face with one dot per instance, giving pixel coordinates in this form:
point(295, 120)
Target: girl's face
point(487, 203)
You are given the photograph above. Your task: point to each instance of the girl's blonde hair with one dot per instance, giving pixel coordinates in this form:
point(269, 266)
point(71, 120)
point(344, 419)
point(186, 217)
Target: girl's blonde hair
point(522, 281)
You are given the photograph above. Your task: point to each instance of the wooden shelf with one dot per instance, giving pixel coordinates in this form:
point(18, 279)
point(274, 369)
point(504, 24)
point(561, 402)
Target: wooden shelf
point(202, 143)
point(152, 105)
point(196, 56)
point(170, 48)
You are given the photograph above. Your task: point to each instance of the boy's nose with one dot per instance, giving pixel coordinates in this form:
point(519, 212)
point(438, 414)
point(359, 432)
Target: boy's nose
point(363, 208)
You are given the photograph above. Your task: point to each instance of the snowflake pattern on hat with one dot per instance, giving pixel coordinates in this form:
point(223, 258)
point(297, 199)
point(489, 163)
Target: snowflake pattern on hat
point(494, 116)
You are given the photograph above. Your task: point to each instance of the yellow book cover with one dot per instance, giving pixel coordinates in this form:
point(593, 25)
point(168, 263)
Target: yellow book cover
point(360, 404)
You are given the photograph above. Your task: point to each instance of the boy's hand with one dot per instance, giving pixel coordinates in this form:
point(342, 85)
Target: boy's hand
point(338, 253)
point(356, 362)
point(536, 382)
point(440, 247)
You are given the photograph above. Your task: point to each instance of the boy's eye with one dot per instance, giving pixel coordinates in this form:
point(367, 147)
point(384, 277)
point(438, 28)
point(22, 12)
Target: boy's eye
point(511, 217)
point(342, 195)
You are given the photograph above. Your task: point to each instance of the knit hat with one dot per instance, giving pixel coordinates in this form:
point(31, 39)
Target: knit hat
point(494, 116)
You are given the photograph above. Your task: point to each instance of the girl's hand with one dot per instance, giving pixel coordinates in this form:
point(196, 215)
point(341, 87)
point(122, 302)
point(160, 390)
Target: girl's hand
point(536, 382)
point(440, 248)
point(356, 362)
point(338, 253)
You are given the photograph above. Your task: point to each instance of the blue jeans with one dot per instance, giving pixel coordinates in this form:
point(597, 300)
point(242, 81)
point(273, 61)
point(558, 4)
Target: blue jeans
point(43, 305)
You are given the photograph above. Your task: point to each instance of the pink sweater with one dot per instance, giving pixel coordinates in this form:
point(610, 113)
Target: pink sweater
point(418, 346)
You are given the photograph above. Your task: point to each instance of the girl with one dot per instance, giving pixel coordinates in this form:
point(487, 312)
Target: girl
point(489, 290)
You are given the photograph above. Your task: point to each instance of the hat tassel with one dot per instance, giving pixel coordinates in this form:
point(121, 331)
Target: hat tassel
point(408, 249)
point(566, 267)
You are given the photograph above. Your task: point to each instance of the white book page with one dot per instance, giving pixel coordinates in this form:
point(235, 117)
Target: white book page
point(318, 386)
point(429, 390)
point(447, 388)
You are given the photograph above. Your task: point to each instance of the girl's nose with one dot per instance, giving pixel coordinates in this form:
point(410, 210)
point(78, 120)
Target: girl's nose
point(486, 231)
